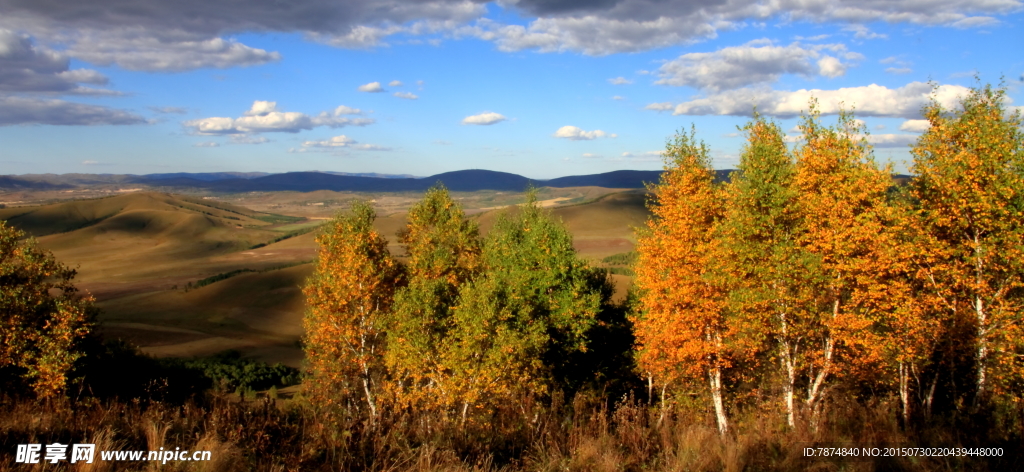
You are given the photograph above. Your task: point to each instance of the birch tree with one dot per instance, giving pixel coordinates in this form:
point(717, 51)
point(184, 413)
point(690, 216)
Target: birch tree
point(681, 327)
point(970, 185)
point(349, 296)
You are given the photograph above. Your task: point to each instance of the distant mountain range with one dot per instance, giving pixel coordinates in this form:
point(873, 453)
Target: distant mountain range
point(235, 182)
point(232, 182)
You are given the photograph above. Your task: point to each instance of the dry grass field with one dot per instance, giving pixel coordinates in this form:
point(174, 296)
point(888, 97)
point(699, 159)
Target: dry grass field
point(142, 255)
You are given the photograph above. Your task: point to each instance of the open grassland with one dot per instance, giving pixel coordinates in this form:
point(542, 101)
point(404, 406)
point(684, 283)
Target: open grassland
point(188, 276)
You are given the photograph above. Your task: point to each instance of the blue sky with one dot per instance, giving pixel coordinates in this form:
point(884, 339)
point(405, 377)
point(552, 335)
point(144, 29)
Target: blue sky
point(542, 88)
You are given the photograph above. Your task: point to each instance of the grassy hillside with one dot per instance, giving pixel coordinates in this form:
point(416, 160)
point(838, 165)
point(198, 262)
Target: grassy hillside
point(143, 256)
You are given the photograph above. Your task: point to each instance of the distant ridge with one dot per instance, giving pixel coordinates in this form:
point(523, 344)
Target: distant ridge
point(233, 182)
point(459, 181)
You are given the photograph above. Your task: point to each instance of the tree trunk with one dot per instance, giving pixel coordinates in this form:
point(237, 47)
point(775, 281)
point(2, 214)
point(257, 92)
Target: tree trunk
point(905, 393)
point(982, 349)
point(787, 360)
point(715, 376)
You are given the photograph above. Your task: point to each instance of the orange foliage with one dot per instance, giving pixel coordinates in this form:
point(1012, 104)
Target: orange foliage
point(348, 296)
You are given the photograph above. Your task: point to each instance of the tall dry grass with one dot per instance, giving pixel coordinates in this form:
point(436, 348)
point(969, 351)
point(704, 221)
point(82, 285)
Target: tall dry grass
point(590, 434)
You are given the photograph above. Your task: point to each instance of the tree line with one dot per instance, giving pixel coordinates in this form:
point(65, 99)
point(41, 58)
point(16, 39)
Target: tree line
point(809, 272)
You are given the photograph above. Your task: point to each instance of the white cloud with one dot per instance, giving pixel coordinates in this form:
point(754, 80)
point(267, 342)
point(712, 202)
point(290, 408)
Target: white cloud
point(870, 100)
point(663, 106)
point(90, 163)
point(406, 95)
point(619, 81)
point(649, 156)
point(863, 32)
point(618, 97)
point(829, 66)
point(206, 144)
point(898, 70)
point(261, 108)
point(395, 83)
point(263, 117)
point(756, 62)
point(573, 133)
point(372, 87)
point(915, 126)
point(485, 118)
point(25, 110)
point(344, 110)
point(589, 155)
point(343, 141)
point(892, 140)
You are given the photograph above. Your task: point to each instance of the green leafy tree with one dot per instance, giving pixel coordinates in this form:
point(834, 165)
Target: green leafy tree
point(520, 321)
point(43, 320)
point(443, 251)
point(349, 295)
point(765, 264)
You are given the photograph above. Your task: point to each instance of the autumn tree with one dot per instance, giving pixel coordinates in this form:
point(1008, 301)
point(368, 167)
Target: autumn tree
point(528, 311)
point(443, 251)
point(845, 228)
point(43, 319)
point(681, 328)
point(349, 296)
point(969, 183)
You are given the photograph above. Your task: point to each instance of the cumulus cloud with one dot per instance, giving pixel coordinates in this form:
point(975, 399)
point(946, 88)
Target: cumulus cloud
point(395, 83)
point(892, 140)
point(619, 81)
point(756, 62)
point(573, 133)
point(263, 117)
point(618, 97)
point(372, 87)
point(343, 141)
point(486, 118)
point(870, 100)
point(344, 110)
point(406, 95)
point(25, 67)
point(590, 155)
point(915, 126)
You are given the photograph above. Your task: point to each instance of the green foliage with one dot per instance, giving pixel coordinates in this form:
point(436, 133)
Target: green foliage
point(443, 253)
point(517, 324)
point(274, 218)
point(278, 239)
point(622, 258)
point(230, 370)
